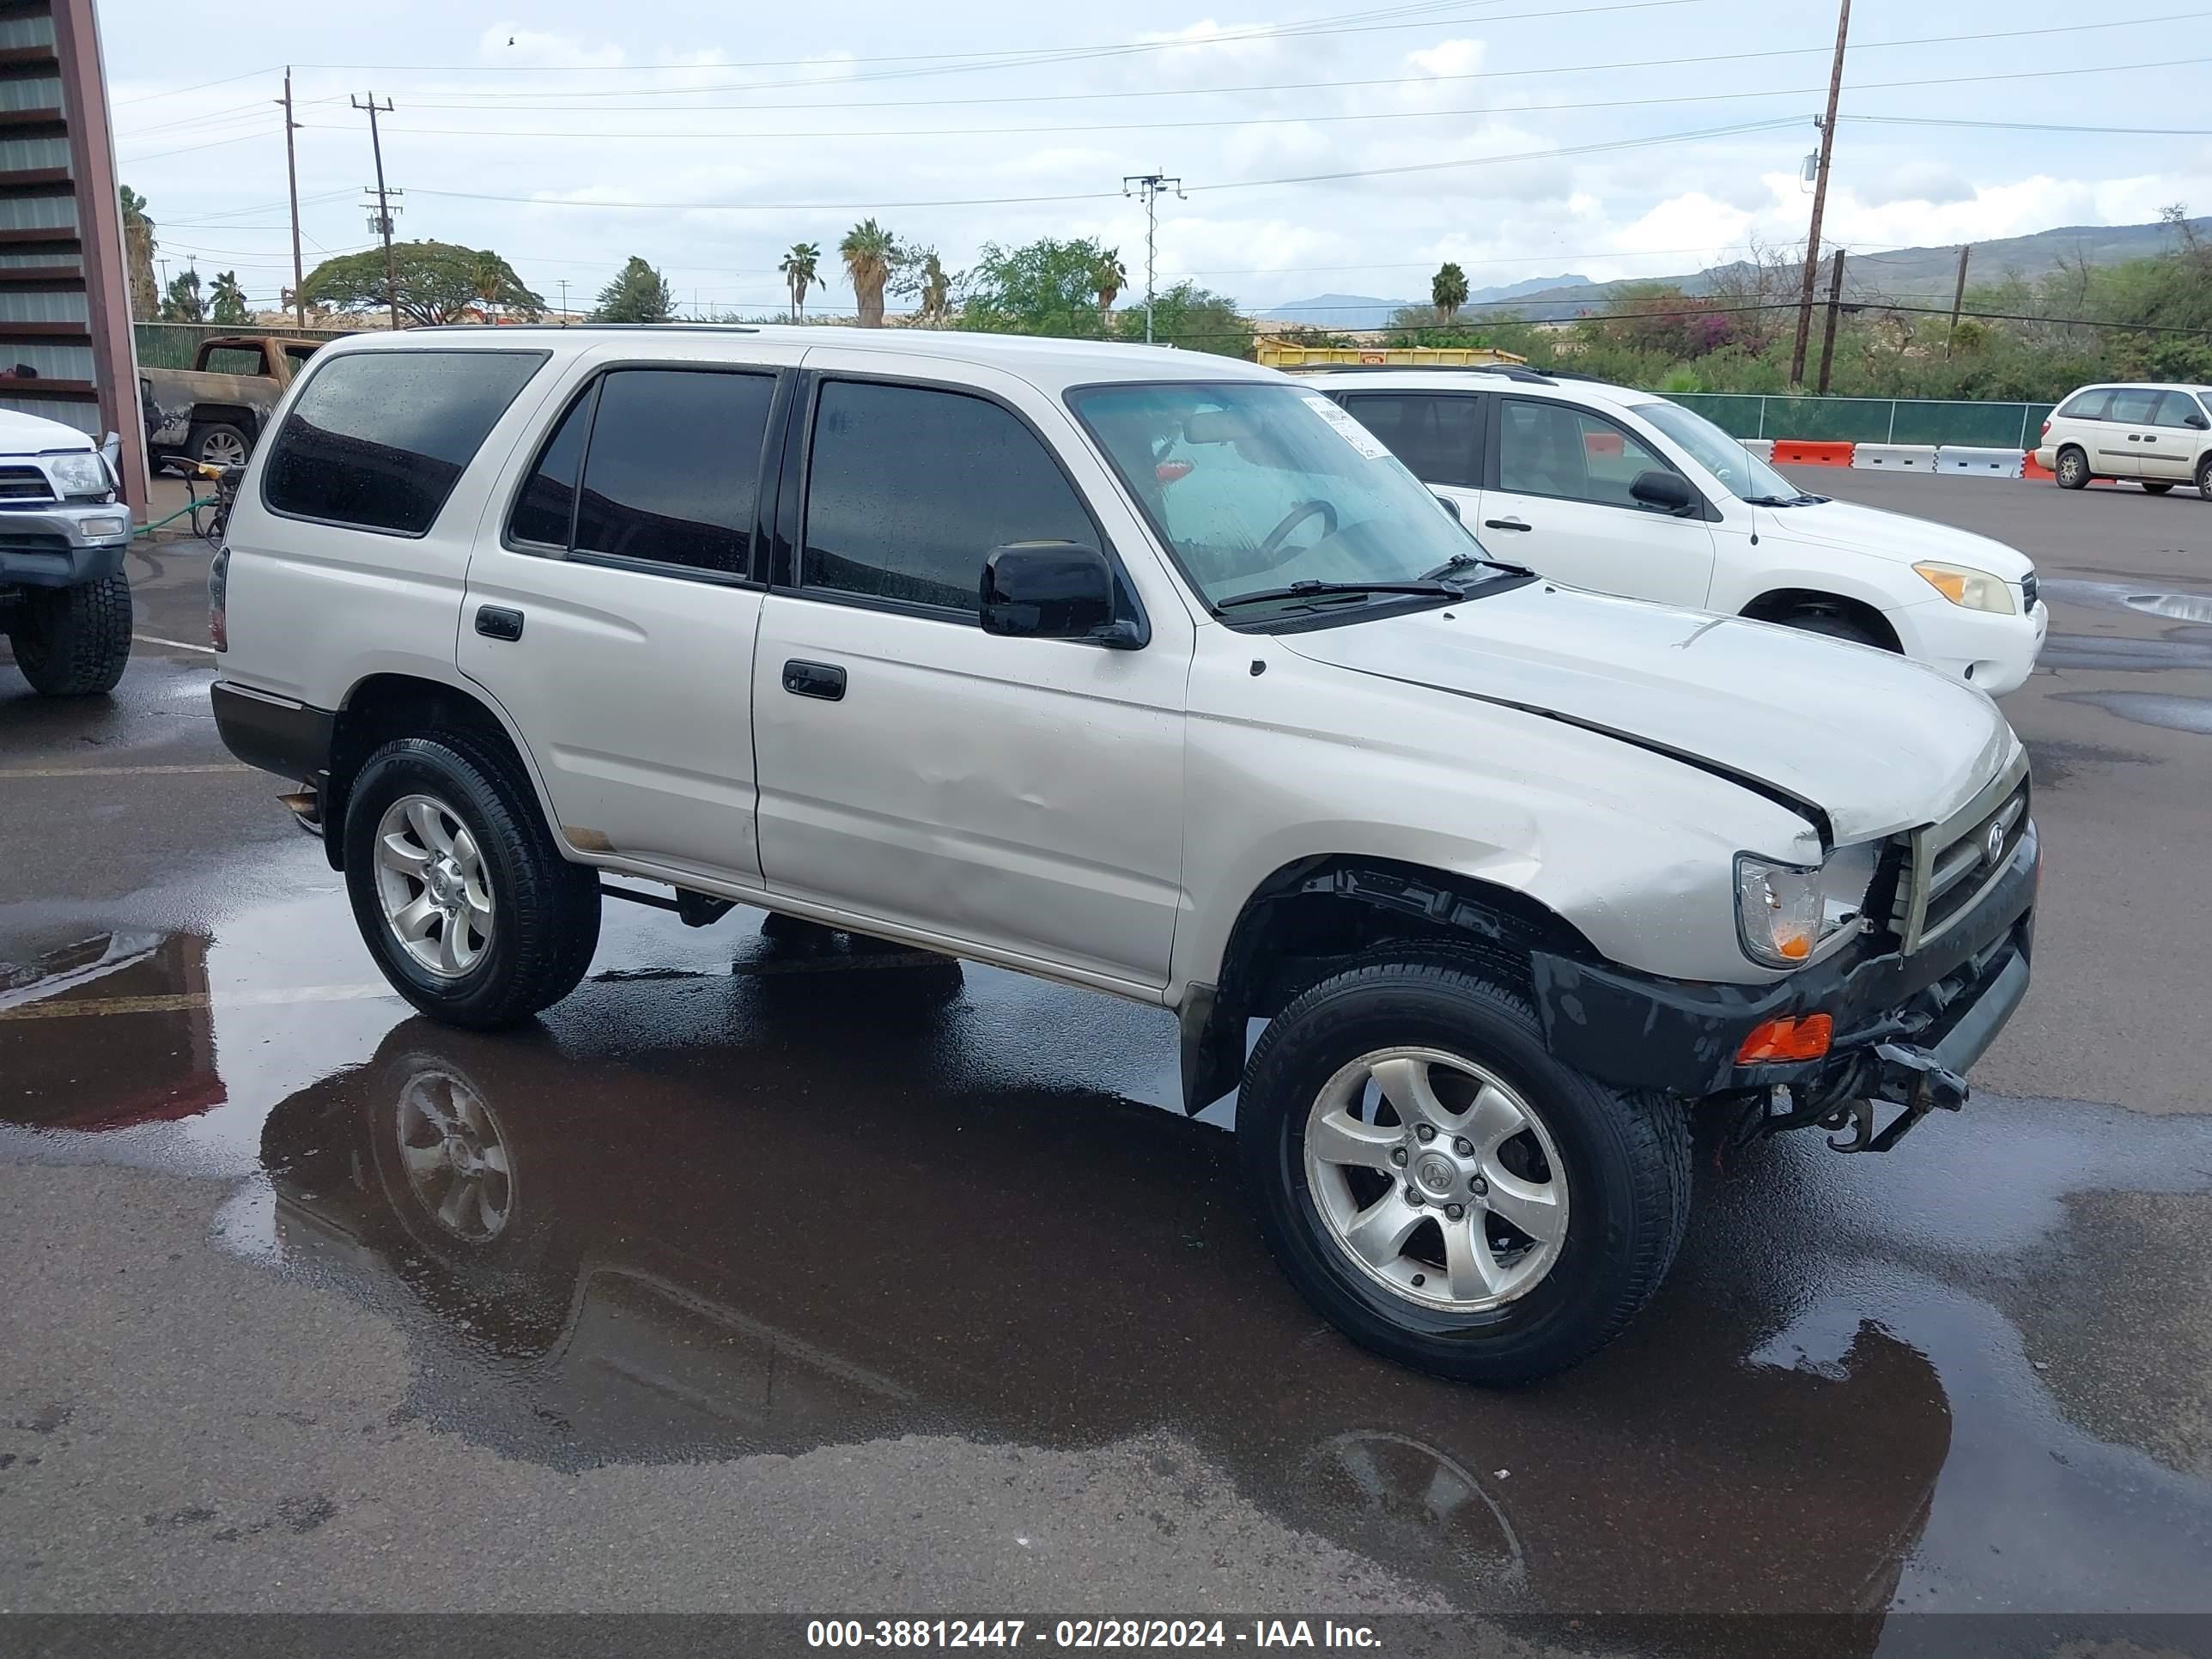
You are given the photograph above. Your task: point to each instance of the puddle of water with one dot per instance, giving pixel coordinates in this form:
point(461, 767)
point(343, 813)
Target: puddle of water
point(2109, 655)
point(2174, 713)
point(2183, 607)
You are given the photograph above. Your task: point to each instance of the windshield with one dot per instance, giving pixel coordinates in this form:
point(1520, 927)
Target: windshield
point(1750, 478)
point(1256, 487)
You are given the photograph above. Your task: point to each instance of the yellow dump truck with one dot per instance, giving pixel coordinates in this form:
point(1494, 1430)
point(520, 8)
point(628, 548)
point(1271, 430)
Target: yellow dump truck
point(1279, 354)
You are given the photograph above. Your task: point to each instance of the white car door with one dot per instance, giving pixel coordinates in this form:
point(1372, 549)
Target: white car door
point(1556, 498)
point(1024, 794)
point(2121, 449)
point(613, 615)
point(2170, 442)
point(1437, 435)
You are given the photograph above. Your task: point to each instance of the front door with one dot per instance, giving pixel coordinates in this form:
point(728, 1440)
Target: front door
point(615, 616)
point(2170, 443)
point(1556, 499)
point(1023, 794)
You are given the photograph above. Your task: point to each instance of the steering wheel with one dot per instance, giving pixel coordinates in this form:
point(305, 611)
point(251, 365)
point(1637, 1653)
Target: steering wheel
point(1297, 515)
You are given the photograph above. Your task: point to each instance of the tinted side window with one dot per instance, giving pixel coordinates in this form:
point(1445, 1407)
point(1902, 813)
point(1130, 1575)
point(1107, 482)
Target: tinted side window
point(674, 468)
point(2134, 408)
point(1551, 449)
point(1433, 434)
point(546, 509)
point(909, 490)
point(2089, 406)
point(2175, 408)
point(379, 439)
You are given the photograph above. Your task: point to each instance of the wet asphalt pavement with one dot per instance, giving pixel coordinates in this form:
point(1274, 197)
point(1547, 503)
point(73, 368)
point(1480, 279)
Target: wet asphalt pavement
point(771, 1278)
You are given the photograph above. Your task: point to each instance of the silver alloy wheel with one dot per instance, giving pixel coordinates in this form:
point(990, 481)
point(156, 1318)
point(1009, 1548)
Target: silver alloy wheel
point(222, 449)
point(1401, 1139)
point(455, 1157)
point(431, 882)
point(2071, 466)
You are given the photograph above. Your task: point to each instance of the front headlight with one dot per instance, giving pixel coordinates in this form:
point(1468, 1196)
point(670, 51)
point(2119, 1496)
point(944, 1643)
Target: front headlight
point(79, 475)
point(1975, 590)
point(1785, 912)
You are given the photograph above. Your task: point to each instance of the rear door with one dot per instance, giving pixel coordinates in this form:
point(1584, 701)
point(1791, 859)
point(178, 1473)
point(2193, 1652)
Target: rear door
point(2127, 437)
point(612, 611)
point(1555, 498)
point(1437, 435)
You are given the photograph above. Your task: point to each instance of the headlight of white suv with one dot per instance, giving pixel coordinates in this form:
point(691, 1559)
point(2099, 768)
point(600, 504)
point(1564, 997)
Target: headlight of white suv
point(1973, 590)
point(1785, 912)
point(79, 475)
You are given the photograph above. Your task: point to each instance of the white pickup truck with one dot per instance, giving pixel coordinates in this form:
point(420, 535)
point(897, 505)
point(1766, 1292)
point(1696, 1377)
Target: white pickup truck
point(1151, 674)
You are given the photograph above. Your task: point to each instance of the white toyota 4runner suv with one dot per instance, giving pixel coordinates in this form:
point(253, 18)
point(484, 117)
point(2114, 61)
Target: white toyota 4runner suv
point(1148, 672)
point(1629, 493)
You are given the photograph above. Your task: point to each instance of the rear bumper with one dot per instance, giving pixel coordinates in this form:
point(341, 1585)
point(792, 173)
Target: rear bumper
point(1948, 1001)
point(56, 547)
point(274, 733)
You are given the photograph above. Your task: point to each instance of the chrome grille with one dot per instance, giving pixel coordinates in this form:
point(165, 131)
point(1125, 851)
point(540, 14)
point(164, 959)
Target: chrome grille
point(1951, 866)
point(24, 484)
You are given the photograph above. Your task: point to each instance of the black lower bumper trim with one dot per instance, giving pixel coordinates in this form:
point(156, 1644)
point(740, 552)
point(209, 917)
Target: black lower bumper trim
point(288, 738)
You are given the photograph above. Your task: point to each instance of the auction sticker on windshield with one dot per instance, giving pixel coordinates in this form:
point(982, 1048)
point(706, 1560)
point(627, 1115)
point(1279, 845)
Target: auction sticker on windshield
point(1346, 429)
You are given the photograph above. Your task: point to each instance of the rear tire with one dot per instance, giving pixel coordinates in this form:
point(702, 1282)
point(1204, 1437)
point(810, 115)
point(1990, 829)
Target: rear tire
point(1618, 1166)
point(2073, 469)
point(220, 444)
point(2156, 488)
point(531, 941)
point(74, 642)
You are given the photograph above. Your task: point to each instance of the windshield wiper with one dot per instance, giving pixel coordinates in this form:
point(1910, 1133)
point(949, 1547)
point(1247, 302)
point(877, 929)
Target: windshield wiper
point(1467, 562)
point(1316, 590)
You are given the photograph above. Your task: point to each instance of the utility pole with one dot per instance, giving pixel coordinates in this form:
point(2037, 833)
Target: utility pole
point(1958, 300)
point(1819, 201)
point(292, 183)
point(384, 204)
point(1828, 338)
point(1150, 186)
point(564, 302)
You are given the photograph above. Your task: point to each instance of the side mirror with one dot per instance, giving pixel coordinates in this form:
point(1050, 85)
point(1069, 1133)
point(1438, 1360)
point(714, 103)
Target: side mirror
point(1053, 591)
point(2200, 423)
point(1450, 506)
point(1669, 492)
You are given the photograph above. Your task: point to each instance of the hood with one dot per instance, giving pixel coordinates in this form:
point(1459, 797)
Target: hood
point(1876, 743)
point(1891, 535)
point(29, 434)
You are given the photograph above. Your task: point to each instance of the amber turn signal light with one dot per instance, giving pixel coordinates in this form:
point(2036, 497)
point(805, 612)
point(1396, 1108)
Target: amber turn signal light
point(1804, 1038)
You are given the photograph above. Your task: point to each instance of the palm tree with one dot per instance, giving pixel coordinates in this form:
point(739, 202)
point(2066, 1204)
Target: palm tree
point(227, 299)
point(138, 247)
point(1447, 289)
point(1109, 279)
point(488, 274)
point(799, 268)
point(870, 253)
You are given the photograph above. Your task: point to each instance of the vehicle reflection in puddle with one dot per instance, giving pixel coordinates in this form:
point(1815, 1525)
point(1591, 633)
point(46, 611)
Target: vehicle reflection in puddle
point(820, 1200)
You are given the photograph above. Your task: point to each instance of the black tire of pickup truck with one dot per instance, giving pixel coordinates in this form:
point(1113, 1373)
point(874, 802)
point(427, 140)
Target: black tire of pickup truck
point(547, 909)
point(1627, 1159)
point(74, 642)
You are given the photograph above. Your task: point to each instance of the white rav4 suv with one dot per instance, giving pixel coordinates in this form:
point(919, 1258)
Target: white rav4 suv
point(1628, 493)
point(1149, 672)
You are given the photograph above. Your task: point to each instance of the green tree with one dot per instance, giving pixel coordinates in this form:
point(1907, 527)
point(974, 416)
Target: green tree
point(1193, 318)
point(227, 301)
point(138, 247)
point(491, 276)
point(182, 302)
point(1109, 279)
point(1448, 291)
point(873, 256)
point(1044, 287)
point(801, 268)
point(922, 276)
point(639, 294)
point(437, 283)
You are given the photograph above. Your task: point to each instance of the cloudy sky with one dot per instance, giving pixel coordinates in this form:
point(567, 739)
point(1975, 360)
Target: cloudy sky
point(1321, 149)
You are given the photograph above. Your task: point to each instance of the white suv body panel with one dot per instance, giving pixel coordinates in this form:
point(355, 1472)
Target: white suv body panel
point(1738, 554)
point(1098, 817)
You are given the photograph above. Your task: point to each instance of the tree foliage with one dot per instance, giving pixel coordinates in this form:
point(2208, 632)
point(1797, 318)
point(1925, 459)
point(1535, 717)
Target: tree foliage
point(873, 257)
point(1044, 287)
point(138, 247)
point(437, 283)
point(181, 301)
point(801, 269)
point(1448, 291)
point(227, 301)
point(639, 294)
point(1193, 318)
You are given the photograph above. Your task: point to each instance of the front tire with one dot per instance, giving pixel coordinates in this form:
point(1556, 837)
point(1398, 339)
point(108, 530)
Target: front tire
point(2073, 469)
point(458, 889)
point(2205, 477)
point(1430, 1077)
point(74, 642)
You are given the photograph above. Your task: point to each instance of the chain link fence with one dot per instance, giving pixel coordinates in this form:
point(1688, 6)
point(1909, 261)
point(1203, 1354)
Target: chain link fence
point(1871, 420)
point(172, 345)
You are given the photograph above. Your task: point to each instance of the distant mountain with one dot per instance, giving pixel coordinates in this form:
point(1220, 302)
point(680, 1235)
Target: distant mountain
point(1530, 285)
point(1366, 311)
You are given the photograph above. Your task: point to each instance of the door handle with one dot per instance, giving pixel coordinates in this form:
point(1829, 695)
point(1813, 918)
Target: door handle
point(1506, 523)
point(814, 679)
point(2135, 437)
point(498, 622)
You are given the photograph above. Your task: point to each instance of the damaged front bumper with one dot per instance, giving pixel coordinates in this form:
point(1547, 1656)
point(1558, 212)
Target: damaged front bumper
point(65, 545)
point(1907, 1028)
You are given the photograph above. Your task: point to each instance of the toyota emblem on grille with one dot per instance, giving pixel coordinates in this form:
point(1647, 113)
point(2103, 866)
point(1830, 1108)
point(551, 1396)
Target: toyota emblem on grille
point(1993, 842)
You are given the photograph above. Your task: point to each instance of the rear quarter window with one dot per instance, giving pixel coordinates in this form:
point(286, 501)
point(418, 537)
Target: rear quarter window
point(379, 439)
